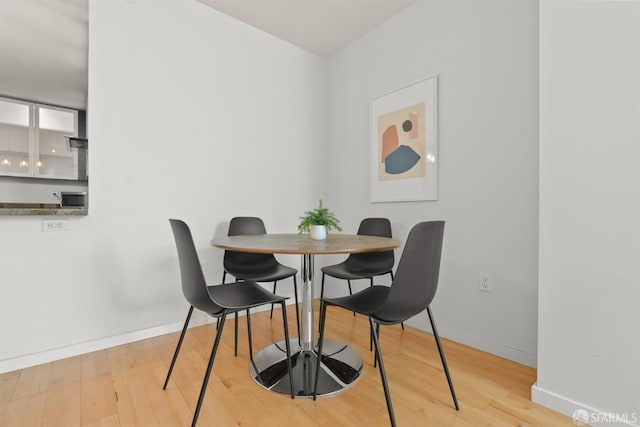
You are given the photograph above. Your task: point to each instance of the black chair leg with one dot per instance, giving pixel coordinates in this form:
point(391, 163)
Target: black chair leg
point(175, 354)
point(295, 293)
point(378, 333)
point(235, 329)
point(207, 374)
point(321, 296)
point(351, 293)
point(249, 334)
point(224, 276)
point(383, 374)
point(323, 314)
point(371, 345)
point(235, 334)
point(275, 285)
point(287, 345)
point(444, 361)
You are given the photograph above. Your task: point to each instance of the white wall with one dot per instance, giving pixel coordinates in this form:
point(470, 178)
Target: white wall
point(589, 327)
point(485, 54)
point(191, 115)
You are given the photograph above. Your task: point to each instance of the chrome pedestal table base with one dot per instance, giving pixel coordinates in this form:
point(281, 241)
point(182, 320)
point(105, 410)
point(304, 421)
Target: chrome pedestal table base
point(340, 367)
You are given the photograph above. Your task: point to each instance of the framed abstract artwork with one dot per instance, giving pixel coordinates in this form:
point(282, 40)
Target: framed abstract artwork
point(404, 143)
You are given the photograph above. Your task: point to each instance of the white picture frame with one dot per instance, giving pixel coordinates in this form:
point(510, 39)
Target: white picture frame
point(403, 146)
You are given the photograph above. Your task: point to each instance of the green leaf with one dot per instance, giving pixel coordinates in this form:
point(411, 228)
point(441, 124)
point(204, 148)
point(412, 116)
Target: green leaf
point(319, 216)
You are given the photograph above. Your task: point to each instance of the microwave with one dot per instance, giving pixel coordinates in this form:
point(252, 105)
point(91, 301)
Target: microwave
point(75, 200)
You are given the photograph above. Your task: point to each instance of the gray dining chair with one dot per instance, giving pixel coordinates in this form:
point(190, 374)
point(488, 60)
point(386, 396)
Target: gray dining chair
point(364, 265)
point(255, 267)
point(217, 301)
point(411, 292)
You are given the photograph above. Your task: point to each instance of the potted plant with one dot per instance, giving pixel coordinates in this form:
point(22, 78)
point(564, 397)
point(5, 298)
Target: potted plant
point(317, 222)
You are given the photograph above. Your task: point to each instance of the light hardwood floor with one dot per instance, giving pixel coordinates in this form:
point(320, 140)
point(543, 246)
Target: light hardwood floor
point(122, 386)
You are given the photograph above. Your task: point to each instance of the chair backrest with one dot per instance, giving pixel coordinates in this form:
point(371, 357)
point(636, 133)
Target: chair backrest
point(373, 261)
point(194, 286)
point(239, 263)
point(241, 225)
point(416, 279)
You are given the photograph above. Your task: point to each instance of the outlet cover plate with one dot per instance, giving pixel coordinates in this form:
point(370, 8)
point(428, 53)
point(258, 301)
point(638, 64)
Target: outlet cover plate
point(55, 225)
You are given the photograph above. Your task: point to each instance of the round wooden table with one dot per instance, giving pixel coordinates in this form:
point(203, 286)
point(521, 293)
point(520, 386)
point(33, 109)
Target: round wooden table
point(341, 365)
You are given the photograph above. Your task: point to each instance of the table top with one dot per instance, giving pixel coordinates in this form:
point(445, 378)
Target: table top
point(304, 244)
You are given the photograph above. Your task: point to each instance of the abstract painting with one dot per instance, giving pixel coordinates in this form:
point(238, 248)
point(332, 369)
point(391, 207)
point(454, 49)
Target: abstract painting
point(403, 147)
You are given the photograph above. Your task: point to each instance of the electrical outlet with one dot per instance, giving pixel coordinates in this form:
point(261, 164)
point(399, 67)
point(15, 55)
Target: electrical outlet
point(485, 282)
point(54, 225)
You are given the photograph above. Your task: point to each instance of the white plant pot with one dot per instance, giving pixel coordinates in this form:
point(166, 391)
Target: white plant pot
point(318, 232)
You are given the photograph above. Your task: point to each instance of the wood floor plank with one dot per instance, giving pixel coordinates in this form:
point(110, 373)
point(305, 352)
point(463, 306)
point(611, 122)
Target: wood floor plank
point(62, 404)
point(122, 386)
point(8, 384)
point(33, 380)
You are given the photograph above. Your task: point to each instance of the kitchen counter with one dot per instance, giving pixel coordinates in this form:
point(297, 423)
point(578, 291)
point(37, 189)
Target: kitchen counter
point(42, 209)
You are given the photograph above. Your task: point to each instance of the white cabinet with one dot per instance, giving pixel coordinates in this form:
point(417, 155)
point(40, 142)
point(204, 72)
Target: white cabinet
point(33, 140)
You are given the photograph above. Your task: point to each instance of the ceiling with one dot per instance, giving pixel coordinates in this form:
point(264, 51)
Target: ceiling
point(44, 43)
point(318, 26)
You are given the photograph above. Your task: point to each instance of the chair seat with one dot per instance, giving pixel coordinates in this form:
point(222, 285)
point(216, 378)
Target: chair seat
point(345, 272)
point(364, 302)
point(275, 272)
point(370, 302)
point(241, 296)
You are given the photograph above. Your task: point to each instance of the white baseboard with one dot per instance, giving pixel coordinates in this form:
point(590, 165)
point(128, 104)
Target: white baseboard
point(47, 356)
point(28, 360)
point(513, 354)
point(570, 408)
